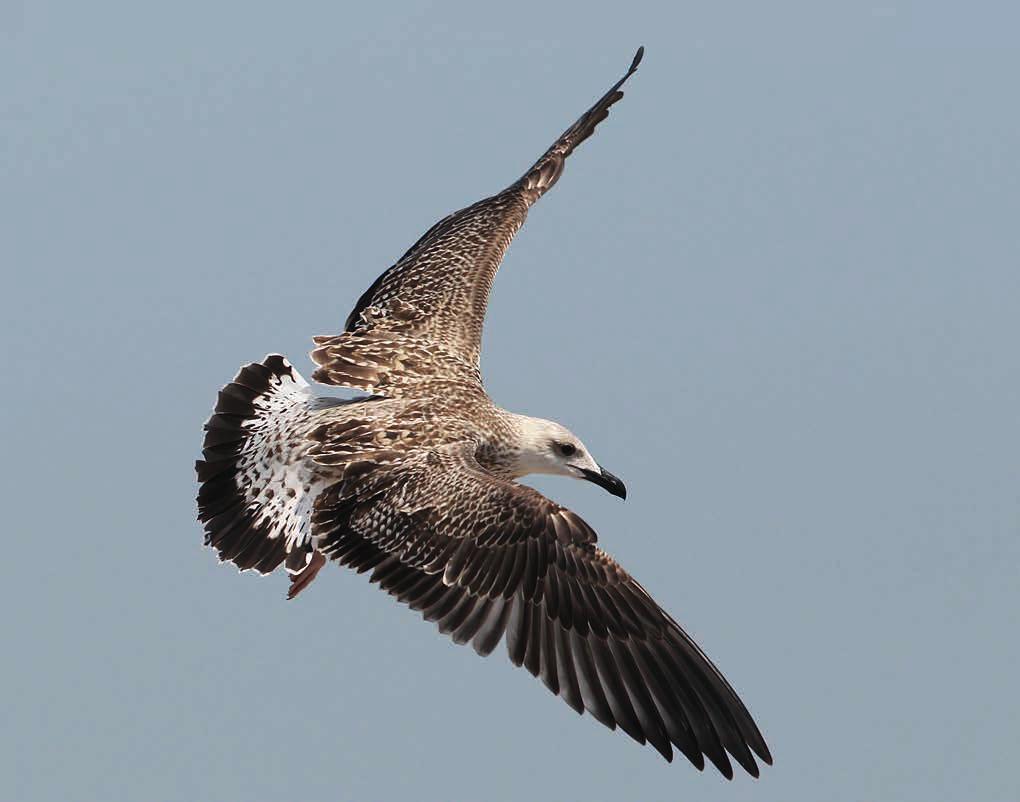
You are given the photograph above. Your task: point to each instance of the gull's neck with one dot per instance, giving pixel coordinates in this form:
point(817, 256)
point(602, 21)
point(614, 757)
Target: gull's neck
point(512, 450)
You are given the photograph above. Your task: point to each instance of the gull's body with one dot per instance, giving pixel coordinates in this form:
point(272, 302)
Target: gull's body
point(416, 482)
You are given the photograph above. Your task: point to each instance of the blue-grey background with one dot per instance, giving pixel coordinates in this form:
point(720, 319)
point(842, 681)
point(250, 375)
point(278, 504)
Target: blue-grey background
point(777, 292)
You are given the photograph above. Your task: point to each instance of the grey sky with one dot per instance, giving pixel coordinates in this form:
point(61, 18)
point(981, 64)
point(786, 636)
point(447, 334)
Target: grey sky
point(777, 293)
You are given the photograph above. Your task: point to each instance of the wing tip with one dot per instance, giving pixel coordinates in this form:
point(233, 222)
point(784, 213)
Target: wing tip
point(637, 60)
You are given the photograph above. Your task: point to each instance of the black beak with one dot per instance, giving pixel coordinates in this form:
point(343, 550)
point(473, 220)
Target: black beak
point(604, 478)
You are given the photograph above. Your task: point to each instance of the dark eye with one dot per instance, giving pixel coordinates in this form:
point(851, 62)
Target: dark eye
point(566, 449)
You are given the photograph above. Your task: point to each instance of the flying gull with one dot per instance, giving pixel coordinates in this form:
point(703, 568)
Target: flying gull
point(416, 483)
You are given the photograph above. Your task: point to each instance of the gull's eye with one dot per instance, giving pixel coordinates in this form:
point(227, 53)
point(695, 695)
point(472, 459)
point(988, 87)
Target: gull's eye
point(566, 449)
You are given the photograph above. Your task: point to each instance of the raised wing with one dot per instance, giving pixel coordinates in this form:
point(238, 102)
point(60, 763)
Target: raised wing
point(422, 318)
point(484, 557)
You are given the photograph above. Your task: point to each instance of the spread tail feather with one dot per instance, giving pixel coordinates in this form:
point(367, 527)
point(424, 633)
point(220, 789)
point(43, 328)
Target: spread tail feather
point(256, 495)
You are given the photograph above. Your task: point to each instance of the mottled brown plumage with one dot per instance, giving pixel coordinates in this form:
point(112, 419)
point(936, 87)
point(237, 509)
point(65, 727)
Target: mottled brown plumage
point(417, 484)
point(422, 318)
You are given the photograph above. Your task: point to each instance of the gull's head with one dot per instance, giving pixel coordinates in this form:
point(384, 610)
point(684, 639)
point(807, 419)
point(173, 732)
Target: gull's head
point(544, 446)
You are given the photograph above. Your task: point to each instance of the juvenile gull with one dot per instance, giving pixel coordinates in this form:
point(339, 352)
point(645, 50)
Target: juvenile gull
point(416, 483)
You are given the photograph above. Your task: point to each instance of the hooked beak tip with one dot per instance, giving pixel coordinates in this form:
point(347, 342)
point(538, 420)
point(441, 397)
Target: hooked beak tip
point(607, 481)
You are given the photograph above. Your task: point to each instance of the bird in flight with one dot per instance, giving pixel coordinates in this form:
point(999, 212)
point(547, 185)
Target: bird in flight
point(416, 483)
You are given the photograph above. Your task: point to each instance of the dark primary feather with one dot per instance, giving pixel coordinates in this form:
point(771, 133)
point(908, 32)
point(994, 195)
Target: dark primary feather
point(423, 317)
point(486, 558)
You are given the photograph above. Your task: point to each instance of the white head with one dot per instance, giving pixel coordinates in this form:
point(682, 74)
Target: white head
point(544, 446)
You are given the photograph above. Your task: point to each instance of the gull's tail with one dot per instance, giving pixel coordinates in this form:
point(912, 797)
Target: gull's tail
point(256, 493)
